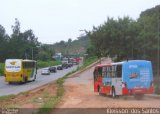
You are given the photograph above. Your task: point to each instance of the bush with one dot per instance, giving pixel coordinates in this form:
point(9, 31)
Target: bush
point(89, 61)
point(157, 90)
point(42, 64)
point(1, 69)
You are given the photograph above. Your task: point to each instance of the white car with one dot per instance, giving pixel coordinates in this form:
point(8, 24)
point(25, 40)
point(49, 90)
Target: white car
point(45, 71)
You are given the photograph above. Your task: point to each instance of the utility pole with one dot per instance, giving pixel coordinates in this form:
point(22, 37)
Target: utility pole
point(32, 53)
point(26, 55)
point(158, 46)
point(144, 51)
point(132, 49)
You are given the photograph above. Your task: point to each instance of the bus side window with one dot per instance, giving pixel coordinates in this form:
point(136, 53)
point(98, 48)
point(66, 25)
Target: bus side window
point(104, 71)
point(24, 65)
point(119, 71)
point(114, 73)
point(109, 71)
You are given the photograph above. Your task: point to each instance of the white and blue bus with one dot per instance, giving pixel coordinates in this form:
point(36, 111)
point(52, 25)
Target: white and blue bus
point(132, 77)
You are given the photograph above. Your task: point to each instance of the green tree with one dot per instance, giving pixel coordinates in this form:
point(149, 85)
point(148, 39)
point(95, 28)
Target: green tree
point(46, 52)
point(4, 38)
point(116, 38)
point(21, 44)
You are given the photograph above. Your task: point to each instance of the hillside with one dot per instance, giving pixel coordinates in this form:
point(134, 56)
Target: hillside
point(74, 47)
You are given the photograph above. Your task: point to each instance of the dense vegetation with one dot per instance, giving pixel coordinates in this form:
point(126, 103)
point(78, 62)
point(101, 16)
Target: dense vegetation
point(125, 38)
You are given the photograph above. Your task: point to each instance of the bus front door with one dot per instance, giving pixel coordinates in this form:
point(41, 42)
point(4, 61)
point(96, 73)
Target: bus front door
point(117, 84)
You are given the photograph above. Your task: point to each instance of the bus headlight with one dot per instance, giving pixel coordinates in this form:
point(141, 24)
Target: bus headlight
point(124, 84)
point(151, 84)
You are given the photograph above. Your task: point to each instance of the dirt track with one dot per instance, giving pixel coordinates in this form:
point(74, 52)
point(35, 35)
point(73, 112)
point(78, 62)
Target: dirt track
point(79, 94)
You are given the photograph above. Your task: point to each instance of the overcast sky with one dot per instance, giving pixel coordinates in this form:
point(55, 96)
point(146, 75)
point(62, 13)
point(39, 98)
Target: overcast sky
point(56, 20)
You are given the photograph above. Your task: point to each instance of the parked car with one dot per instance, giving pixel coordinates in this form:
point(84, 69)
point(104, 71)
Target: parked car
point(70, 64)
point(45, 71)
point(65, 66)
point(75, 61)
point(53, 69)
point(59, 67)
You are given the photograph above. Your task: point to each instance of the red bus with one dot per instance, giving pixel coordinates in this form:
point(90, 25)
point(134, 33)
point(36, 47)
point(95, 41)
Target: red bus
point(124, 78)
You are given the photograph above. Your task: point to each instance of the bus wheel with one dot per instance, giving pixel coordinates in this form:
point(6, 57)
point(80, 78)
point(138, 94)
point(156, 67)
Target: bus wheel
point(25, 79)
point(113, 92)
point(99, 90)
point(34, 78)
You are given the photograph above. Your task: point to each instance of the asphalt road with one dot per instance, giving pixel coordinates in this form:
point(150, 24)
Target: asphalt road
point(7, 89)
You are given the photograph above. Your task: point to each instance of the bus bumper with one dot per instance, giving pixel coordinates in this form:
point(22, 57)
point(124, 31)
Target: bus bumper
point(134, 91)
point(13, 79)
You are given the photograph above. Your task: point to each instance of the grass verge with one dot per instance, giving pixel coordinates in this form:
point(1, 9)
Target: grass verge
point(53, 101)
point(6, 97)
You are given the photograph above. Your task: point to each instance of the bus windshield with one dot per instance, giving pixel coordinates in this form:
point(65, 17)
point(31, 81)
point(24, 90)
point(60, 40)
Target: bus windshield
point(13, 65)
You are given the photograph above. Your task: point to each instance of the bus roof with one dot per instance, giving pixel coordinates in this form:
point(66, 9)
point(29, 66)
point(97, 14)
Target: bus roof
point(102, 65)
point(119, 63)
point(25, 60)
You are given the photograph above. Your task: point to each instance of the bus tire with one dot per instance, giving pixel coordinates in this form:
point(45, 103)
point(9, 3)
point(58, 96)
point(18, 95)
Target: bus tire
point(25, 79)
point(99, 90)
point(34, 78)
point(113, 92)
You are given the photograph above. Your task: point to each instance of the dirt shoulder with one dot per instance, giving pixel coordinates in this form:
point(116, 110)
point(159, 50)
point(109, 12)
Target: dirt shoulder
point(79, 95)
point(32, 100)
